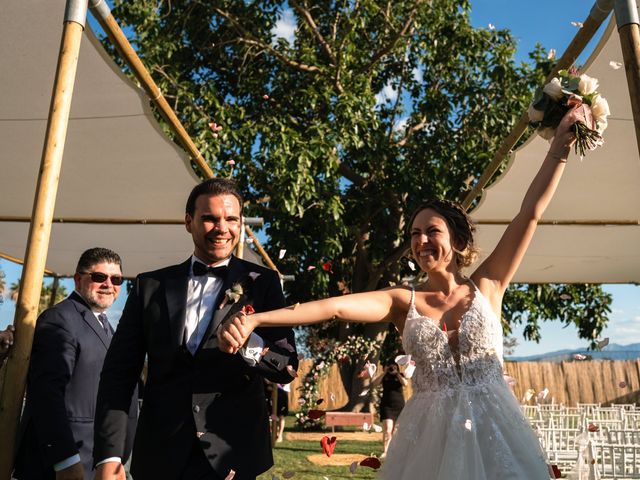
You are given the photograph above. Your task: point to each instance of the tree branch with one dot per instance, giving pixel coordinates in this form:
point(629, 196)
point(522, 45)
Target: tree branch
point(347, 172)
point(394, 40)
point(249, 39)
point(415, 128)
point(283, 58)
point(314, 29)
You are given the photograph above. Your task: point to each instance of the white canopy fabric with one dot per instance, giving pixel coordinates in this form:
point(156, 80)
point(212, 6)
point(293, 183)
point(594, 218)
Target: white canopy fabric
point(596, 204)
point(117, 165)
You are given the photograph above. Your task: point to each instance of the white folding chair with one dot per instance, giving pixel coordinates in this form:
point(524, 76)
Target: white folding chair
point(618, 461)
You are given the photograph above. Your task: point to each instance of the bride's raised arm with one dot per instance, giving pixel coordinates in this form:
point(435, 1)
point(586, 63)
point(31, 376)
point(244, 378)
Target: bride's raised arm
point(387, 305)
point(500, 266)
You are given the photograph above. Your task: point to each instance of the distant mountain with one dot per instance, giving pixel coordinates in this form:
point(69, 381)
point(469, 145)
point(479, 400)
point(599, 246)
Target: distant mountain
point(612, 351)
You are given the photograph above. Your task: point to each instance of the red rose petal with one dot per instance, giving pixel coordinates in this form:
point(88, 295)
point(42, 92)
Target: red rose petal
point(248, 310)
point(319, 401)
point(593, 428)
point(328, 445)
point(326, 266)
point(556, 471)
point(371, 462)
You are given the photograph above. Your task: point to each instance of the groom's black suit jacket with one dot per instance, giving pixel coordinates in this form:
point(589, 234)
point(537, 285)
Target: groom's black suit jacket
point(212, 398)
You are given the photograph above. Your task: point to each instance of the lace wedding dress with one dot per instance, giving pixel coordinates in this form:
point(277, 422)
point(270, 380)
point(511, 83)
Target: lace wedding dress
point(462, 422)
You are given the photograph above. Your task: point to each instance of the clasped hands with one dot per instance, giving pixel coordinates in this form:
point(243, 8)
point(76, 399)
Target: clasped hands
point(234, 332)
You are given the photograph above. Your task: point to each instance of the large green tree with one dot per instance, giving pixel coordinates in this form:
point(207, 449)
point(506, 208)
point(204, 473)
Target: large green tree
point(339, 131)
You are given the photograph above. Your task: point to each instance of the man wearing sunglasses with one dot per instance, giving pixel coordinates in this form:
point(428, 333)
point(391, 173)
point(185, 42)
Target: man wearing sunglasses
point(69, 347)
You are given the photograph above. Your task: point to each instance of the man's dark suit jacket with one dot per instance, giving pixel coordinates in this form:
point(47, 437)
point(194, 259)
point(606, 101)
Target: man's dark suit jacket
point(212, 398)
point(69, 347)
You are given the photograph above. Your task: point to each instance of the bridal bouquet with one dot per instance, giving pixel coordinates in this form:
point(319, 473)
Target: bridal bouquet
point(560, 95)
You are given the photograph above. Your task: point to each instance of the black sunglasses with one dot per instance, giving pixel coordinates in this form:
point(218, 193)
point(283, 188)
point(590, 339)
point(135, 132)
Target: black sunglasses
point(99, 277)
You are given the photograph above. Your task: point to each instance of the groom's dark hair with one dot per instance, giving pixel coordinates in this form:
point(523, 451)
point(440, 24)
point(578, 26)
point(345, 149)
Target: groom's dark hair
point(213, 187)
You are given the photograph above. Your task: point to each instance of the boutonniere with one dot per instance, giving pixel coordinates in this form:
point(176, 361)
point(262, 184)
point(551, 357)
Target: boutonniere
point(234, 294)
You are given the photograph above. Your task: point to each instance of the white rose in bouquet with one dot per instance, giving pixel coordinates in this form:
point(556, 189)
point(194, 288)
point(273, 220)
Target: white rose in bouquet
point(587, 84)
point(554, 89)
point(600, 110)
point(535, 115)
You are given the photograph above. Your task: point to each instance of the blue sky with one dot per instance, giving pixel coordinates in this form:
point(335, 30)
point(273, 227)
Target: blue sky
point(550, 24)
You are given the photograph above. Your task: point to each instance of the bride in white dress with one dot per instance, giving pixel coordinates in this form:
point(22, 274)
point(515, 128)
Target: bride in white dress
point(462, 422)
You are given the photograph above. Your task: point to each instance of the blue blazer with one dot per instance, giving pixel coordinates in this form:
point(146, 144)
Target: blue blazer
point(69, 348)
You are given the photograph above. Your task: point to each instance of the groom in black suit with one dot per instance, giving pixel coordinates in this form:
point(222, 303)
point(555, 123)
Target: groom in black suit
point(203, 413)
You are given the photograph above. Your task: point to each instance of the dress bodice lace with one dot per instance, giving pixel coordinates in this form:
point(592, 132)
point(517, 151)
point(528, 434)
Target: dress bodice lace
point(439, 367)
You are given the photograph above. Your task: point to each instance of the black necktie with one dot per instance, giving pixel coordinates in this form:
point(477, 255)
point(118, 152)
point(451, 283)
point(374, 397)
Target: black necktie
point(105, 323)
point(201, 269)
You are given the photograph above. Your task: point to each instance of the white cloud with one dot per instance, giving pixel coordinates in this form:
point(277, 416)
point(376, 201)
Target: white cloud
point(417, 74)
point(285, 27)
point(387, 94)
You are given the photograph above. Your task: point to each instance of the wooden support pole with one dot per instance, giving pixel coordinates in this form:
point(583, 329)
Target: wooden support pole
point(261, 251)
point(119, 39)
point(577, 45)
point(629, 31)
point(38, 243)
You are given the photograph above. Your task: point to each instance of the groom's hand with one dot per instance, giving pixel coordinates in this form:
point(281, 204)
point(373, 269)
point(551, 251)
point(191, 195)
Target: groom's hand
point(234, 333)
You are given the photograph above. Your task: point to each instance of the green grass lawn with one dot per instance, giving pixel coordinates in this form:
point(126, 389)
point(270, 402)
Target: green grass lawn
point(292, 456)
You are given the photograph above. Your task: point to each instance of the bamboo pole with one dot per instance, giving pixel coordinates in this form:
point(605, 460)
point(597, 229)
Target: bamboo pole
point(629, 31)
point(261, 250)
point(39, 233)
point(118, 38)
point(598, 13)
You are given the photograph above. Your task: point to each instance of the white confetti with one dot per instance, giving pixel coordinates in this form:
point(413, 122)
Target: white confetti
point(254, 275)
point(412, 265)
point(551, 54)
point(408, 372)
point(364, 393)
point(542, 394)
point(377, 428)
point(282, 253)
point(615, 65)
point(332, 397)
point(248, 241)
point(232, 474)
point(366, 427)
point(371, 369)
point(402, 360)
point(577, 24)
point(468, 424)
point(491, 26)
point(529, 394)
point(579, 356)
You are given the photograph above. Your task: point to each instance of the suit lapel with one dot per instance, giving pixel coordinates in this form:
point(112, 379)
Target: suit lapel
point(89, 318)
point(176, 296)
